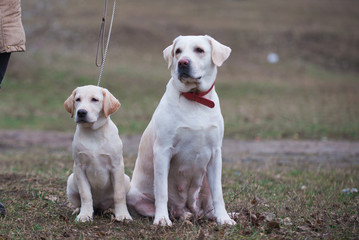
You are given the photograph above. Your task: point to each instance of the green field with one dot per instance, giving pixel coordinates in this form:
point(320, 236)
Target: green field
point(311, 93)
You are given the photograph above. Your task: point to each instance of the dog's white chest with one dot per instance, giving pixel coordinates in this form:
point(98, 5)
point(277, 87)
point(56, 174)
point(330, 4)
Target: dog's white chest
point(195, 144)
point(96, 168)
point(93, 158)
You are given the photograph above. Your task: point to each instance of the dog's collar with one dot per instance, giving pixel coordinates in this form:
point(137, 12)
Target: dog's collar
point(198, 97)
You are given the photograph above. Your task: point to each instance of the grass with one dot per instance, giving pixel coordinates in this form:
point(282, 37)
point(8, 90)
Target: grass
point(310, 94)
point(272, 203)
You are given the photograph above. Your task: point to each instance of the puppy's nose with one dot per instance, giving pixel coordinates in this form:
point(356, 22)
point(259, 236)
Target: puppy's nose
point(183, 63)
point(81, 113)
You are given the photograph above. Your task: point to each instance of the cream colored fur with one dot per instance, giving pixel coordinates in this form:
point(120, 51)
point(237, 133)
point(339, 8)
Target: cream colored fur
point(179, 163)
point(98, 180)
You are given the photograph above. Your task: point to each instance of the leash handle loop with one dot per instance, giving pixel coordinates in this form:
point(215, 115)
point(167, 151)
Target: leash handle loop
point(108, 39)
point(101, 38)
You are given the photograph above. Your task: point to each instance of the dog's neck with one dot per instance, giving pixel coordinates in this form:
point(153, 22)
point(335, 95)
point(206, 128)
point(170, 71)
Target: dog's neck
point(194, 87)
point(193, 92)
point(199, 97)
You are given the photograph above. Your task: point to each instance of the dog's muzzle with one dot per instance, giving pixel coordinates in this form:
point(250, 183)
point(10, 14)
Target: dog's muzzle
point(184, 69)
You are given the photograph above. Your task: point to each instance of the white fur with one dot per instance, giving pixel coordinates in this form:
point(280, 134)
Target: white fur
point(98, 180)
point(179, 164)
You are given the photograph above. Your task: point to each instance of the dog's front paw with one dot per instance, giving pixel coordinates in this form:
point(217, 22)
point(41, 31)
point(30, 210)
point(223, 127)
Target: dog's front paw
point(162, 221)
point(122, 218)
point(85, 215)
point(84, 218)
point(225, 220)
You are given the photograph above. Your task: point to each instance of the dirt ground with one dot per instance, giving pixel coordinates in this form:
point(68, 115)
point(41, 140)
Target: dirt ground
point(247, 153)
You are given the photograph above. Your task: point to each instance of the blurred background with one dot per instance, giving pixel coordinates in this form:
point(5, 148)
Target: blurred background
point(293, 72)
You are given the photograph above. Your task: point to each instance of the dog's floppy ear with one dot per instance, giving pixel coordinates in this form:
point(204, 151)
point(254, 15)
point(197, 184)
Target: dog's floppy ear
point(220, 52)
point(110, 103)
point(168, 53)
point(70, 103)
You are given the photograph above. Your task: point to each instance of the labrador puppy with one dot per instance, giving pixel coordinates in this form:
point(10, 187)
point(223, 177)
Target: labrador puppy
point(179, 163)
point(98, 181)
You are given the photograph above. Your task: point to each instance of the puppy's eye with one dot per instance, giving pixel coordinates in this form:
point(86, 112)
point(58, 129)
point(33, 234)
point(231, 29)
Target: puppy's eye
point(199, 50)
point(94, 100)
point(178, 51)
point(78, 100)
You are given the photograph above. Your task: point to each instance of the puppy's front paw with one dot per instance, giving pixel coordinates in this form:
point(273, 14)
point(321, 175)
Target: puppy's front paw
point(84, 218)
point(162, 221)
point(122, 218)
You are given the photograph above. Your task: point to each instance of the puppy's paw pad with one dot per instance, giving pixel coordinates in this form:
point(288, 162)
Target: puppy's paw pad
point(162, 221)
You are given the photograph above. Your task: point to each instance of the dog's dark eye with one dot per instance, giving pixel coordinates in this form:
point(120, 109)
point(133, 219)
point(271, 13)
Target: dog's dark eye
point(94, 100)
point(178, 51)
point(78, 100)
point(199, 50)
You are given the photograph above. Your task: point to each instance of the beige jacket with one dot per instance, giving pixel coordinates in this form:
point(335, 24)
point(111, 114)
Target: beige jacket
point(12, 34)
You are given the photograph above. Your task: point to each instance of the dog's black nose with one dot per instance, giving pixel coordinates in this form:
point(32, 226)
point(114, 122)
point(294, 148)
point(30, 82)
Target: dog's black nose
point(81, 113)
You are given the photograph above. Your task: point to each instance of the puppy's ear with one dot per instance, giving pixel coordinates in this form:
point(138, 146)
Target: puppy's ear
point(168, 53)
point(220, 52)
point(70, 103)
point(110, 103)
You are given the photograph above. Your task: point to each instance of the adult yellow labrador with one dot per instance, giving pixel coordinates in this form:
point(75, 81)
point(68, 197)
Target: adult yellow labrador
point(179, 163)
point(98, 180)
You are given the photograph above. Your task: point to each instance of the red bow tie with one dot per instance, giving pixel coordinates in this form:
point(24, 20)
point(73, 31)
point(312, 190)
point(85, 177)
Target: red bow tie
point(198, 97)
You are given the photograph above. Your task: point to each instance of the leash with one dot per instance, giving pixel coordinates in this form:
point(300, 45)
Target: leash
point(101, 40)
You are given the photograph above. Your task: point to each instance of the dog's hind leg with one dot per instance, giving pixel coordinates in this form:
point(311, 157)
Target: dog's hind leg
point(140, 203)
